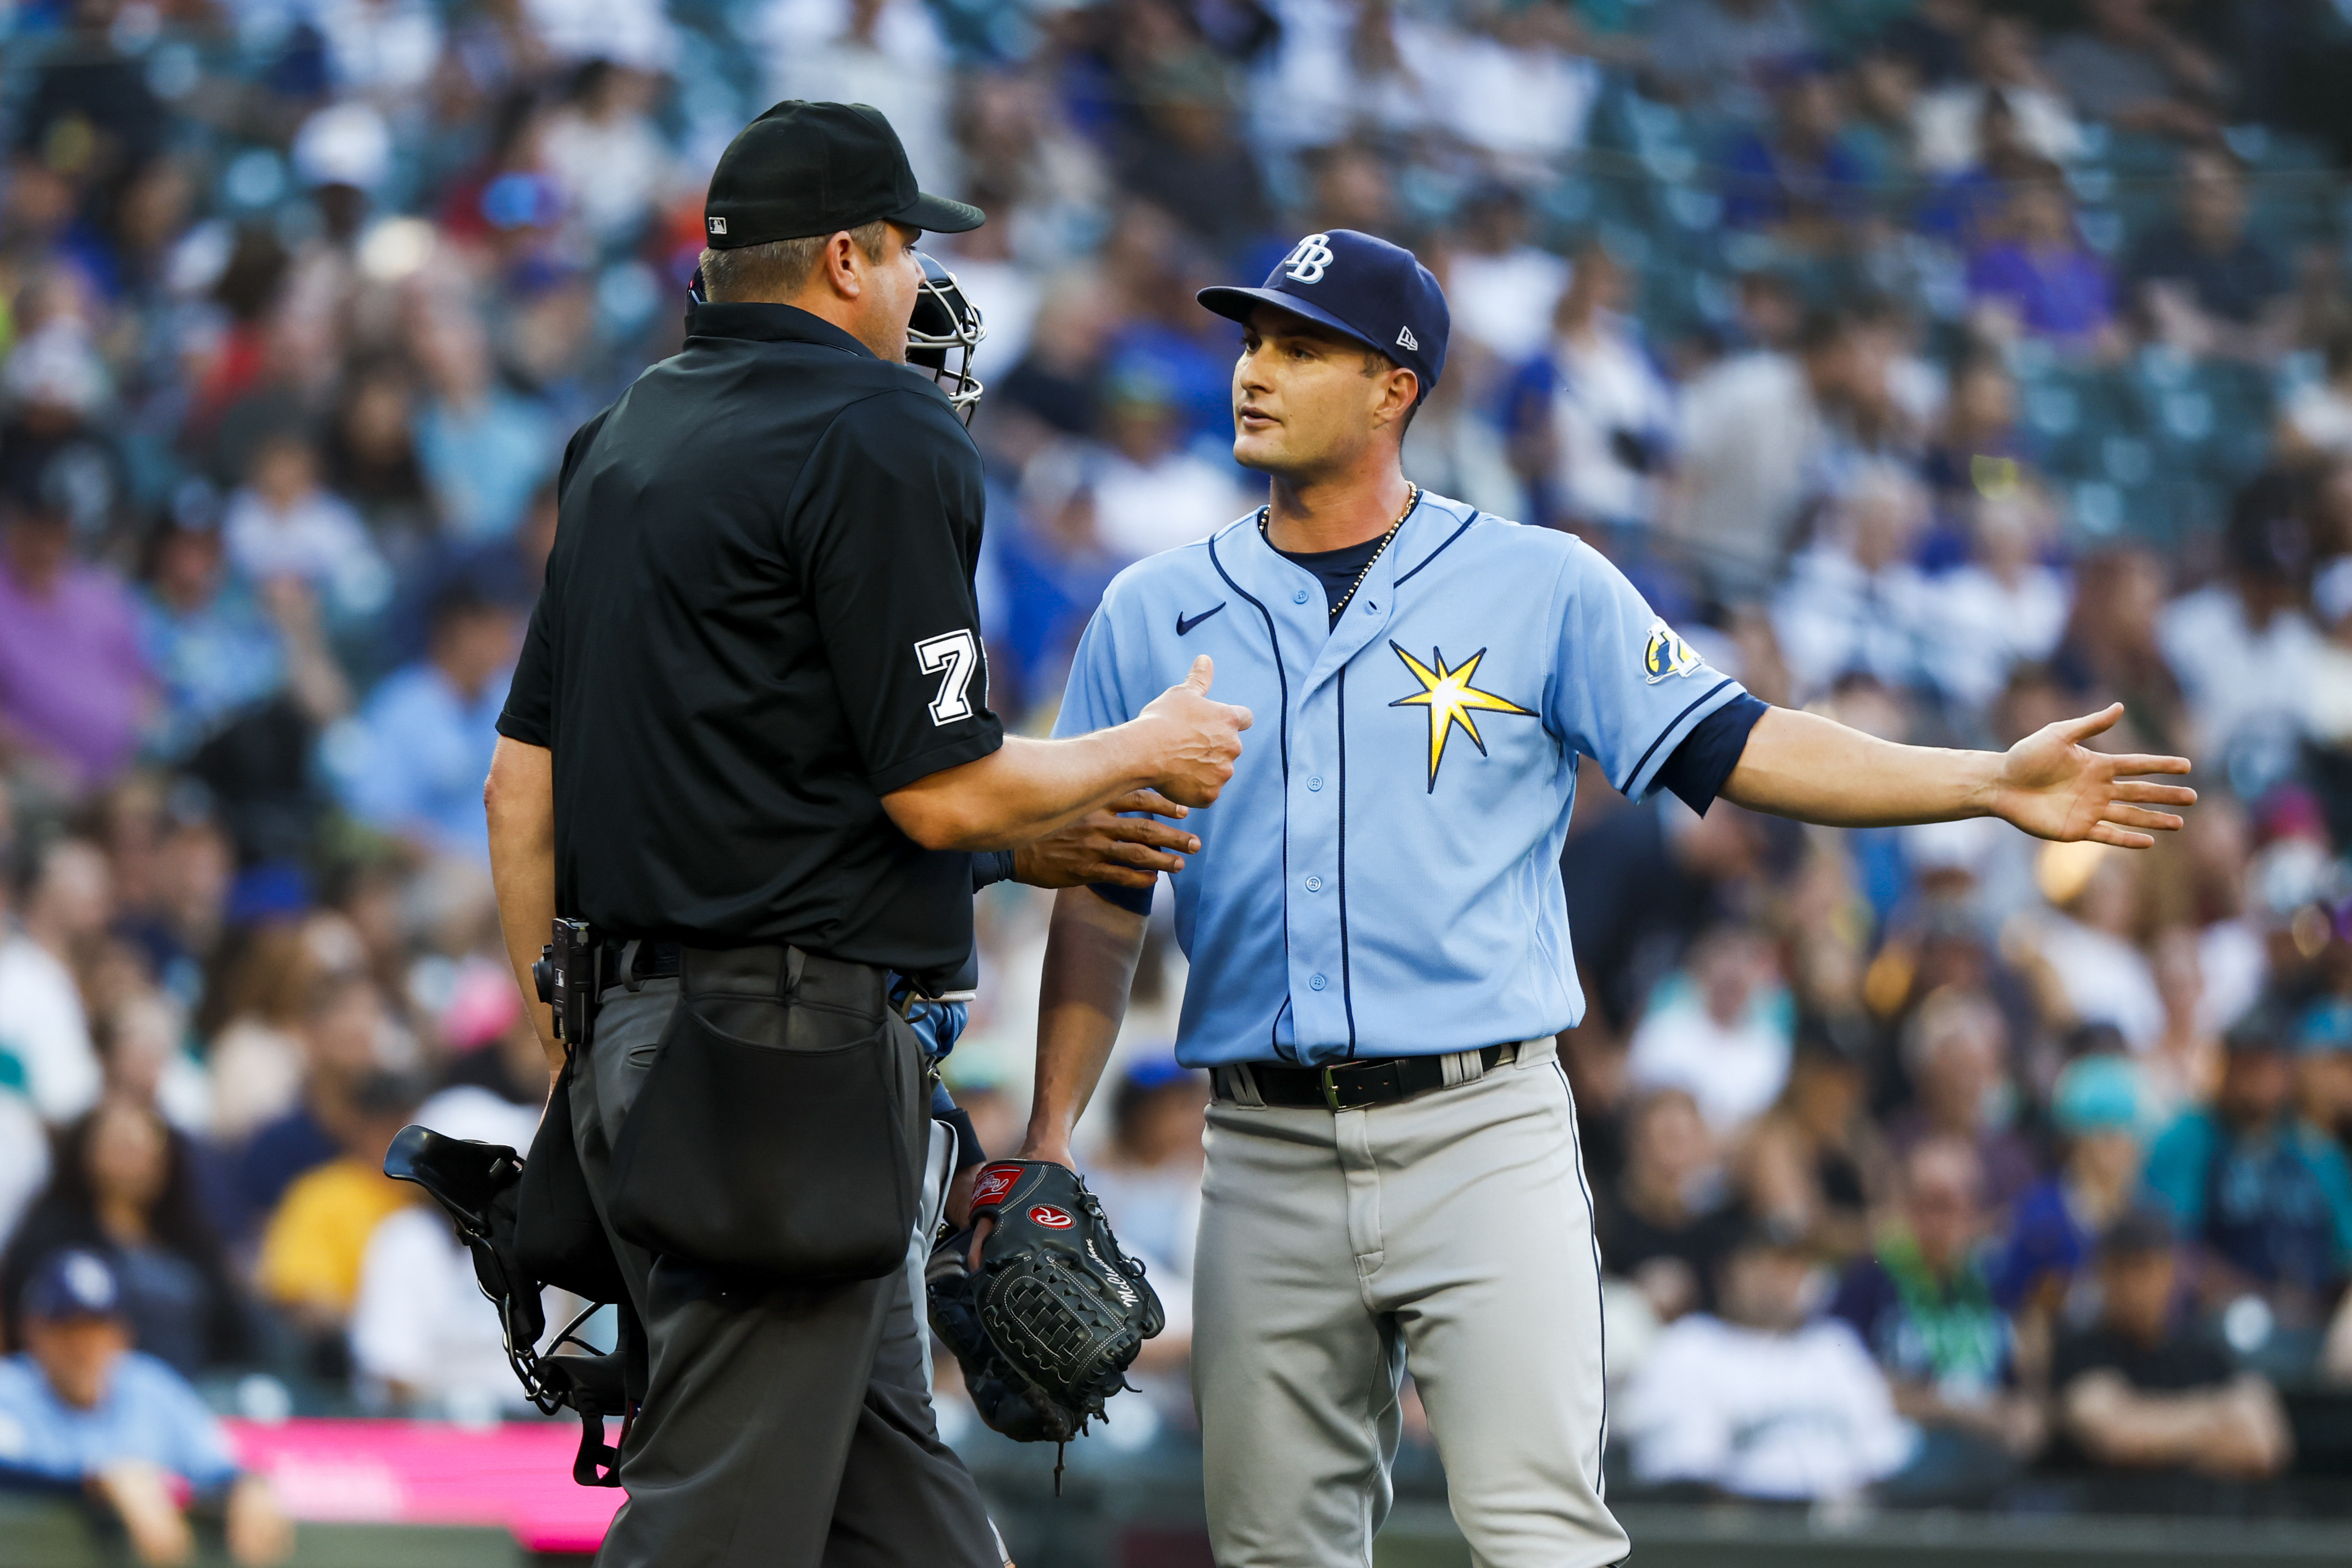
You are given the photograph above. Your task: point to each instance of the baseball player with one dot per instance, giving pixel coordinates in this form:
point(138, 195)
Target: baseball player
point(1378, 943)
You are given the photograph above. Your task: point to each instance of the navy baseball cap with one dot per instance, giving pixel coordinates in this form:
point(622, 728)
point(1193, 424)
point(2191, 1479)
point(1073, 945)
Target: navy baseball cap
point(73, 1284)
point(1372, 291)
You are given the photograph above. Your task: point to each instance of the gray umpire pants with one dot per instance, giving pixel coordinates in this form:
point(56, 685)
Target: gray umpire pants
point(787, 1427)
point(1450, 1233)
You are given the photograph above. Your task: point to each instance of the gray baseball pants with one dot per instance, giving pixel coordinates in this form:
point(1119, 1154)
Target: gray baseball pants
point(1450, 1233)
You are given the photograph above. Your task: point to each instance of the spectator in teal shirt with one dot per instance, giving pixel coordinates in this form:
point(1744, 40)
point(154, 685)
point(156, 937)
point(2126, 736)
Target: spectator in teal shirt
point(2266, 1197)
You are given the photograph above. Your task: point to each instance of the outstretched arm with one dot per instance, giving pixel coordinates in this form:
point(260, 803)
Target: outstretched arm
point(1815, 770)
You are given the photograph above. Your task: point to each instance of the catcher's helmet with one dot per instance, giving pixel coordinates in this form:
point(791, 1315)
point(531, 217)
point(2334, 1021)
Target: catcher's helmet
point(944, 320)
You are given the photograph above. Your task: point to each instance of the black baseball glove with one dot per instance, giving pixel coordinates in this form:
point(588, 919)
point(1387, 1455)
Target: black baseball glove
point(1048, 1326)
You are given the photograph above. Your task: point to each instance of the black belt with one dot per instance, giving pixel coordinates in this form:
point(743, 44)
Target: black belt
point(654, 961)
point(1353, 1085)
point(756, 970)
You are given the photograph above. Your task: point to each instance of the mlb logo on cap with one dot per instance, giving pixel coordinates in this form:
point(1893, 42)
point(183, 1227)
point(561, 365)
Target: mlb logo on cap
point(1361, 286)
point(718, 226)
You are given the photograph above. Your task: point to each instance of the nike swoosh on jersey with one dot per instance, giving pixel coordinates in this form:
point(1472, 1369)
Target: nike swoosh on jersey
point(1184, 626)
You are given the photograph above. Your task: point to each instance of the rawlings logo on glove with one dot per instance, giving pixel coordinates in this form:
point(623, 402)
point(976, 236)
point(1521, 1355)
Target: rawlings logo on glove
point(1055, 1314)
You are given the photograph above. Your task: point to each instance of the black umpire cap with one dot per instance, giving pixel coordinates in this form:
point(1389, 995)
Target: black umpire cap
point(805, 169)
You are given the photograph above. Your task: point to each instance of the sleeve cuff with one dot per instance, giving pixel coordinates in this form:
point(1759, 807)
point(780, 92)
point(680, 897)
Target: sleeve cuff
point(514, 727)
point(1135, 901)
point(1698, 769)
point(972, 748)
point(1644, 776)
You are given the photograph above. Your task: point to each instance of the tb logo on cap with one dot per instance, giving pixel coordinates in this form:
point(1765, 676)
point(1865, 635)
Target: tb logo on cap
point(1306, 264)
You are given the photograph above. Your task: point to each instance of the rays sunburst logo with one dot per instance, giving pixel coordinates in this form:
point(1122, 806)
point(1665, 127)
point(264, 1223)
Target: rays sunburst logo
point(1451, 700)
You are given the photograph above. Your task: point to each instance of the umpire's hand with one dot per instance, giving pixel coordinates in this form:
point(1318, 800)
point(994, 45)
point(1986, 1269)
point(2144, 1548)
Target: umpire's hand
point(1192, 742)
point(1105, 847)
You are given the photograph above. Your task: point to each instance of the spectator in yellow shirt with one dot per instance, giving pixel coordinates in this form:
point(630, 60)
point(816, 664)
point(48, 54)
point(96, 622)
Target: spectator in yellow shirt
point(311, 1248)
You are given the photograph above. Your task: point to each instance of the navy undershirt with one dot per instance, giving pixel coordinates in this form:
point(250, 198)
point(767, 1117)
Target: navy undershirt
point(1337, 570)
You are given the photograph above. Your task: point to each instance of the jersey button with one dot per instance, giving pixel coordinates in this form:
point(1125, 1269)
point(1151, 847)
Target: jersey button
point(1314, 781)
point(1299, 597)
point(1315, 982)
point(1314, 885)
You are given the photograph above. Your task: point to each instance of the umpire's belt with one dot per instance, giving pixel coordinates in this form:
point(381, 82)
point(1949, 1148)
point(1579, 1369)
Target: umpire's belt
point(836, 982)
point(758, 970)
point(633, 962)
point(1354, 1085)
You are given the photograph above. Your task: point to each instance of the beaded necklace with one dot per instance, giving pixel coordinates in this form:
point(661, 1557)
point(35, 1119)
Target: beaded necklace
point(1412, 499)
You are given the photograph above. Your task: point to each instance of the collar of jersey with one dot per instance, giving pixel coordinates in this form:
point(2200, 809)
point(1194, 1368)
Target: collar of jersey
point(762, 323)
point(1274, 580)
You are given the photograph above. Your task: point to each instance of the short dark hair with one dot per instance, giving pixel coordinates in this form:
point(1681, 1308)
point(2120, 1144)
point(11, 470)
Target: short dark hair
point(779, 268)
point(386, 1092)
point(459, 600)
point(2141, 1231)
point(1823, 327)
point(2261, 1029)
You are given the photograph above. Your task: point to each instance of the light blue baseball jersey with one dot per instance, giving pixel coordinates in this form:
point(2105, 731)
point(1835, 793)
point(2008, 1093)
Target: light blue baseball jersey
point(1382, 877)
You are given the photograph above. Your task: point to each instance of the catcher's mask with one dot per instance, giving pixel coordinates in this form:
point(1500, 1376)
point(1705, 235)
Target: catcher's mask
point(944, 321)
point(476, 1184)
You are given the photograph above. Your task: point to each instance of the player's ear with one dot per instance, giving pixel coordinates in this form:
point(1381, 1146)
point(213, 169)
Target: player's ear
point(1400, 389)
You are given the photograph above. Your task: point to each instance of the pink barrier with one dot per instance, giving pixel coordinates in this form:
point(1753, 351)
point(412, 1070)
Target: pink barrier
point(518, 1475)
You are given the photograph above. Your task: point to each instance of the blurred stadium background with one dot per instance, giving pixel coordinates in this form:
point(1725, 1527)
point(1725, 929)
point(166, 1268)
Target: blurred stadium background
point(1949, 366)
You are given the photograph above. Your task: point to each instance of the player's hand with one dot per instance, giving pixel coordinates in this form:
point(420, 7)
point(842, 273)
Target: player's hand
point(1105, 847)
point(2054, 786)
point(1193, 740)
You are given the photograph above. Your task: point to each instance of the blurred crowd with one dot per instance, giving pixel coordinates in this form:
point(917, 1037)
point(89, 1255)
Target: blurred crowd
point(1950, 366)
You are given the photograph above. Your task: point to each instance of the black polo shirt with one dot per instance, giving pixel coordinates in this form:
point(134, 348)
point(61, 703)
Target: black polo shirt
point(759, 621)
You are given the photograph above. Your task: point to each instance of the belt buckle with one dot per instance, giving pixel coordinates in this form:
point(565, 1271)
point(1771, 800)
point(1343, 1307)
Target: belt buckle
point(1328, 1077)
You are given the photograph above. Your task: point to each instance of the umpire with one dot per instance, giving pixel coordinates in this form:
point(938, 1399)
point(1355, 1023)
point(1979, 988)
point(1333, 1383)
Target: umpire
point(745, 762)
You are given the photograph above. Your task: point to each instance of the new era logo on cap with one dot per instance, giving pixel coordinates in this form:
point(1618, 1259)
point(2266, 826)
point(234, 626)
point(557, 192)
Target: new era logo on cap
point(1405, 339)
